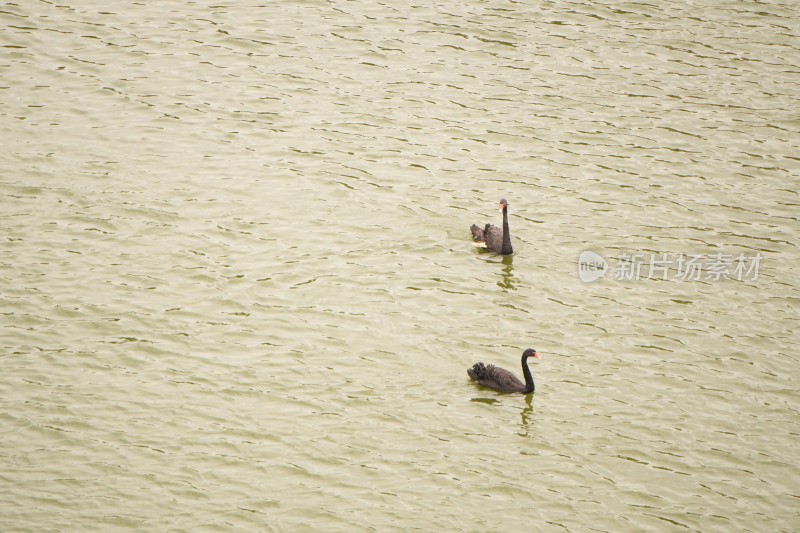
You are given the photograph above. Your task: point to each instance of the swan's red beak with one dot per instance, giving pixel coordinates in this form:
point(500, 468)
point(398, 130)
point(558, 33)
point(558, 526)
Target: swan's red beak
point(536, 355)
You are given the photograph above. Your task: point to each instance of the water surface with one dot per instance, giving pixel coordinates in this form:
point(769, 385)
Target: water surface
point(239, 293)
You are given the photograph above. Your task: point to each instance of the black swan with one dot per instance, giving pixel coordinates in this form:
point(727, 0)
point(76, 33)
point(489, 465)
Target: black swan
point(503, 380)
point(493, 238)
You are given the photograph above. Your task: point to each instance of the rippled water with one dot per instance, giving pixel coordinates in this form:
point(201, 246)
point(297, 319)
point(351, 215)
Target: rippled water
point(239, 293)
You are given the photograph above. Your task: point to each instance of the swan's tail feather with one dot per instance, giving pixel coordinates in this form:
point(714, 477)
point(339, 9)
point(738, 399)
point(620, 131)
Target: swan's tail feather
point(477, 233)
point(477, 372)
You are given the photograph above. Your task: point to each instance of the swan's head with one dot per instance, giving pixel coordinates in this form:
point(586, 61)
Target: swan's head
point(503, 204)
point(530, 352)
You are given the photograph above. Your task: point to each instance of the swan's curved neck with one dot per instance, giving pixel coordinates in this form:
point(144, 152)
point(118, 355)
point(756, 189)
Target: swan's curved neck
point(530, 386)
point(506, 235)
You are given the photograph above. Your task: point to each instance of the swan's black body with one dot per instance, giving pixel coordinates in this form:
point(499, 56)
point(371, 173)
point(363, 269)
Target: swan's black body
point(493, 238)
point(501, 379)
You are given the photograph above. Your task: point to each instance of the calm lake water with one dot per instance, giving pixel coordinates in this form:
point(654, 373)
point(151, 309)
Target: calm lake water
point(239, 292)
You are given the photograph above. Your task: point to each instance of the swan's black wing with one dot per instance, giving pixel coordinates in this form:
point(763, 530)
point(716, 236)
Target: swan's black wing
point(490, 235)
point(495, 378)
point(493, 237)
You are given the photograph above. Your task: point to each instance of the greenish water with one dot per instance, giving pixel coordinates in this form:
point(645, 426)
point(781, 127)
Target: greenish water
point(239, 291)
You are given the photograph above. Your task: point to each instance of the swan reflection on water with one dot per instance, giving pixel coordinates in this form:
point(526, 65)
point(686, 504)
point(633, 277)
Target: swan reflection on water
point(525, 415)
point(508, 273)
point(488, 401)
